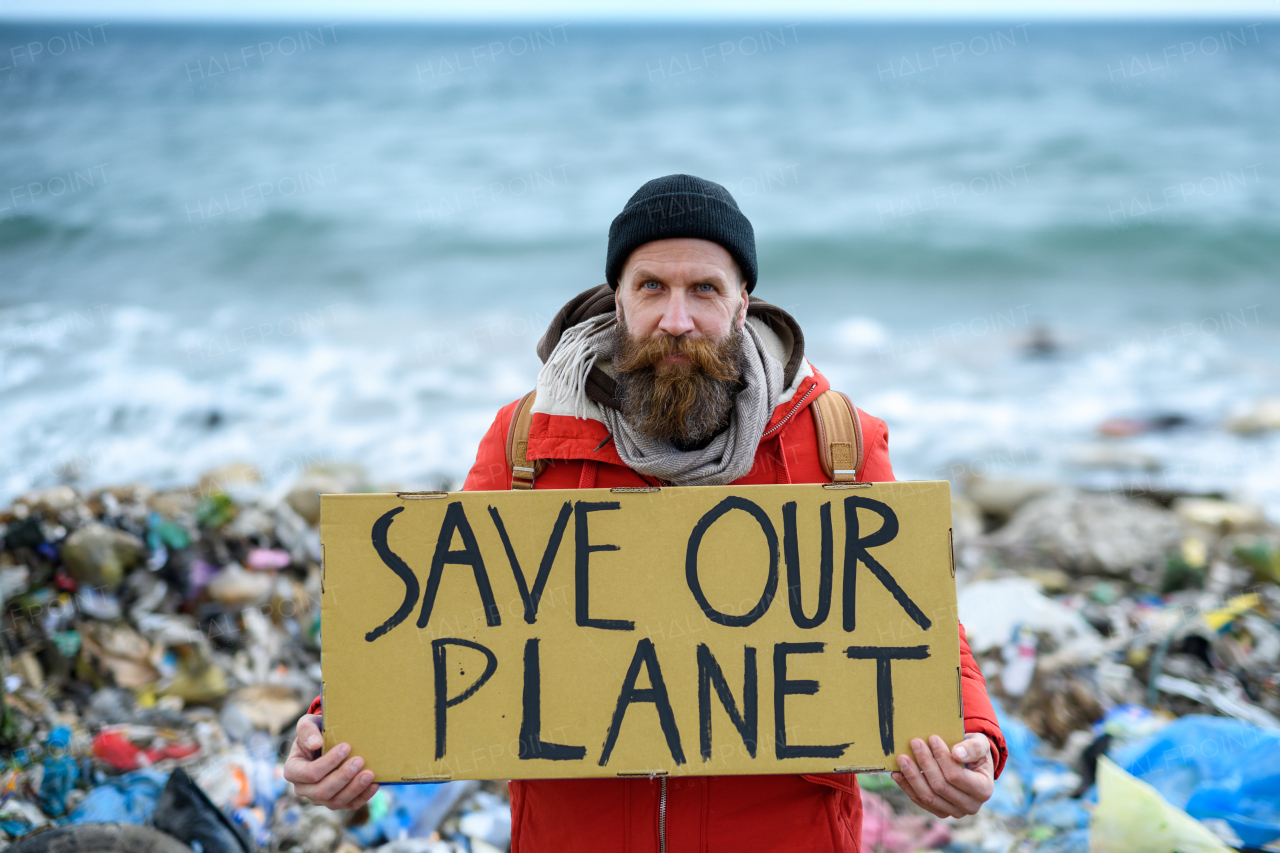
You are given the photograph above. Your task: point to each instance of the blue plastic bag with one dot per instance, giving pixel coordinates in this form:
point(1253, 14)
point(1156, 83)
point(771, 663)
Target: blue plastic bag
point(130, 798)
point(1214, 767)
point(60, 773)
point(1015, 790)
point(414, 811)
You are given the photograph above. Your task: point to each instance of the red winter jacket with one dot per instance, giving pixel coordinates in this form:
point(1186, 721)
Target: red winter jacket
point(734, 814)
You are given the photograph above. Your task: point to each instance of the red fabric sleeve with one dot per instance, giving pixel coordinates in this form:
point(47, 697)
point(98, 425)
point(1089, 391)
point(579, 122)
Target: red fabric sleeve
point(490, 472)
point(875, 450)
point(979, 716)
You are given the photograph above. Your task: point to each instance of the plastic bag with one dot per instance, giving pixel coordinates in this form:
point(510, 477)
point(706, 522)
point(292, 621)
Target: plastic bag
point(124, 799)
point(1132, 817)
point(1215, 768)
point(186, 813)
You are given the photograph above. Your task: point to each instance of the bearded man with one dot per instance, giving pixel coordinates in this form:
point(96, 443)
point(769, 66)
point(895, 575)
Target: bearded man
point(672, 373)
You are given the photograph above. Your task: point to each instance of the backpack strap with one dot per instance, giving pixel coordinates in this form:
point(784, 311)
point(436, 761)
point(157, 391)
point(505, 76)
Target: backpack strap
point(839, 436)
point(523, 471)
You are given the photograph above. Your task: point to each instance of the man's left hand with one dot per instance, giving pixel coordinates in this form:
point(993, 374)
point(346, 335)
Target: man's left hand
point(948, 783)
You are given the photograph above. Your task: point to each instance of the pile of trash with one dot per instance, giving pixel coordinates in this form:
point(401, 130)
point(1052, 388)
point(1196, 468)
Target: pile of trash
point(158, 650)
point(159, 647)
point(1132, 644)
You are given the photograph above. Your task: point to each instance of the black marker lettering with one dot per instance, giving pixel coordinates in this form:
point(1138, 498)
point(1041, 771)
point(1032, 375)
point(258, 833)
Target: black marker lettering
point(856, 549)
point(791, 550)
point(582, 568)
point(531, 600)
point(657, 694)
point(784, 687)
point(443, 702)
point(882, 655)
point(531, 743)
point(691, 561)
point(397, 565)
point(455, 518)
point(746, 723)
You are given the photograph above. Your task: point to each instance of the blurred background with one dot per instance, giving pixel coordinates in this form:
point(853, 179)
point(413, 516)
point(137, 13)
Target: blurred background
point(253, 246)
point(277, 242)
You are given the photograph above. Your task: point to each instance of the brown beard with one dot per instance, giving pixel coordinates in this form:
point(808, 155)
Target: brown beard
point(687, 402)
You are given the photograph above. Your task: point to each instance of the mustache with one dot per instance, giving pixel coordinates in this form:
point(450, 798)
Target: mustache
point(683, 402)
point(712, 359)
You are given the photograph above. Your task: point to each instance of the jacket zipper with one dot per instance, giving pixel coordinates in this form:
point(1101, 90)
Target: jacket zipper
point(780, 424)
point(662, 815)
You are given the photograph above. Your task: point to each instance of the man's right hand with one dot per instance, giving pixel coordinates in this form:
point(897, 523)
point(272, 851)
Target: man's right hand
point(331, 779)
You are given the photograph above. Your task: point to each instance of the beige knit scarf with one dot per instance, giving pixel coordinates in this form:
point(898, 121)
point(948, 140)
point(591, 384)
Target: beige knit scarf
point(728, 457)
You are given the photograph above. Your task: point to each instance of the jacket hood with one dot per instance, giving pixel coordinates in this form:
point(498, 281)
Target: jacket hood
point(598, 300)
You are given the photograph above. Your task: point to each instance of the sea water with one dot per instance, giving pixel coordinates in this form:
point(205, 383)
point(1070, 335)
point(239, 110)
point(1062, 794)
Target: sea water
point(329, 243)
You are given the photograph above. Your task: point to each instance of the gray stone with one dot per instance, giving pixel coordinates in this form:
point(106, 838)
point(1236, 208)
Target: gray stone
point(1003, 497)
point(1089, 534)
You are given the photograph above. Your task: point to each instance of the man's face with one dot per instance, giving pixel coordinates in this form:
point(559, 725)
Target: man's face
point(681, 287)
point(681, 307)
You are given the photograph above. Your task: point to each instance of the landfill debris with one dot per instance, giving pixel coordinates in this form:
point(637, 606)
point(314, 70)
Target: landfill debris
point(159, 647)
point(1122, 427)
point(187, 813)
point(886, 831)
point(992, 610)
point(1264, 416)
point(1136, 620)
point(1118, 457)
point(1019, 661)
point(1224, 515)
point(488, 820)
point(99, 556)
point(101, 837)
point(1221, 770)
point(1132, 817)
point(130, 798)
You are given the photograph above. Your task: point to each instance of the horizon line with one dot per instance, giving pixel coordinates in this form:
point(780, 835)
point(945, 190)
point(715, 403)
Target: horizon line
point(1130, 16)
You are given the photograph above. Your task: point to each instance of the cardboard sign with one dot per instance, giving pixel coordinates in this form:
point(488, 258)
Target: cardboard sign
point(683, 631)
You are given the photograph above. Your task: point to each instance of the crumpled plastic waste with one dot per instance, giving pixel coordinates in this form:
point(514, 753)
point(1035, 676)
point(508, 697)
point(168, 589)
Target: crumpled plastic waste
point(299, 828)
point(1216, 769)
point(891, 833)
point(18, 817)
point(991, 610)
point(489, 820)
point(411, 811)
point(1132, 817)
point(130, 798)
point(267, 559)
point(132, 747)
point(1098, 619)
point(186, 813)
point(1019, 661)
point(60, 773)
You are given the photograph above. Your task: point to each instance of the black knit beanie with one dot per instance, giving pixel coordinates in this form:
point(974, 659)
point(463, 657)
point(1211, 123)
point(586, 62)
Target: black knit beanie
point(681, 206)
